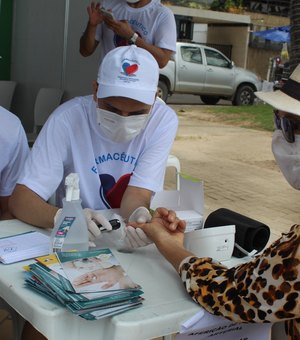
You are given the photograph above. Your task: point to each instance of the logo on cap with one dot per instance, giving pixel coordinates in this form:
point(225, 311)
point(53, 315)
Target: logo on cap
point(129, 69)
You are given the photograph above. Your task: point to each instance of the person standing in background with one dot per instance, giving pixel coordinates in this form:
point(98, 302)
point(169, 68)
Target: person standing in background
point(286, 137)
point(146, 23)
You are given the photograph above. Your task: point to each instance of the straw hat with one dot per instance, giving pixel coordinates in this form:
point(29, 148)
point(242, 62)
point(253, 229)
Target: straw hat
point(286, 99)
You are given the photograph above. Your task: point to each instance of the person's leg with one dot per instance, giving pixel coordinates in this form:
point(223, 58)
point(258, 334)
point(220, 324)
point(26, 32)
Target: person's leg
point(30, 333)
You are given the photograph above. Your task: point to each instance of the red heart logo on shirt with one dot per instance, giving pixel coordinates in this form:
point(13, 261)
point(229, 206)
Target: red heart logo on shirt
point(115, 194)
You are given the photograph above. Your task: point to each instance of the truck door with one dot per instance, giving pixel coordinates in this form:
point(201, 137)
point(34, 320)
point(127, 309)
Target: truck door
point(219, 73)
point(190, 70)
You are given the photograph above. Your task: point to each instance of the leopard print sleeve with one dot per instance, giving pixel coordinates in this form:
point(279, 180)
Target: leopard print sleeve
point(267, 289)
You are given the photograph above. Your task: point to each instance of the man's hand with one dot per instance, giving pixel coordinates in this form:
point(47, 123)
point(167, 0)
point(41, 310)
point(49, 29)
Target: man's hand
point(95, 15)
point(135, 237)
point(121, 28)
point(140, 215)
point(93, 218)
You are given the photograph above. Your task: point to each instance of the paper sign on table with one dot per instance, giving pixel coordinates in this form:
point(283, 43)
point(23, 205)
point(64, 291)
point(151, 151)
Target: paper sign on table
point(205, 326)
point(23, 247)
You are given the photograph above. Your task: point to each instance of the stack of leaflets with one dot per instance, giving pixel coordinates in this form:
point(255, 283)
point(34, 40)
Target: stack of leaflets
point(91, 284)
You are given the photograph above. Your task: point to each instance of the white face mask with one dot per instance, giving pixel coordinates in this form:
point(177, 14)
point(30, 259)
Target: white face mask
point(287, 156)
point(118, 128)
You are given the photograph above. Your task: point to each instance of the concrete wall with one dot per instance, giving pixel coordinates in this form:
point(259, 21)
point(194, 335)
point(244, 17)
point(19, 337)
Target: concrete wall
point(45, 52)
point(261, 67)
point(45, 49)
point(229, 36)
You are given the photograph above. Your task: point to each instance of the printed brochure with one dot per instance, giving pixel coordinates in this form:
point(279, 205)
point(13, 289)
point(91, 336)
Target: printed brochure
point(91, 284)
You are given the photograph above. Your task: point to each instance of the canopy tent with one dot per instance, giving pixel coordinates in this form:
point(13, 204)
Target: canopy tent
point(277, 34)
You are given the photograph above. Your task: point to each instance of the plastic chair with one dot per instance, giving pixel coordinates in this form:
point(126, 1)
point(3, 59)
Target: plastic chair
point(174, 162)
point(46, 102)
point(7, 89)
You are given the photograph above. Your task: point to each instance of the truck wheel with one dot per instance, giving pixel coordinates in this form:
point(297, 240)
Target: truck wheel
point(162, 90)
point(244, 96)
point(210, 100)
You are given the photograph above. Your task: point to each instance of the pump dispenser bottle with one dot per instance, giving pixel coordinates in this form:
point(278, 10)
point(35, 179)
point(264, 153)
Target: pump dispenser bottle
point(70, 231)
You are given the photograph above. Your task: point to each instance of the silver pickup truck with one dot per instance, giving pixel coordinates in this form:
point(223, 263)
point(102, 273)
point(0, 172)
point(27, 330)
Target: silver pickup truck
point(202, 70)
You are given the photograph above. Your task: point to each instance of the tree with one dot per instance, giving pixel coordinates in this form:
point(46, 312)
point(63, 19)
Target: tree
point(295, 34)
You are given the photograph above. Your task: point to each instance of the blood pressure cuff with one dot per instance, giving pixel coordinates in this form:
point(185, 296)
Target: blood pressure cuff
point(249, 234)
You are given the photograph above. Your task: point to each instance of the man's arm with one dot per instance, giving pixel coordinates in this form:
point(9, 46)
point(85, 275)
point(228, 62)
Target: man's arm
point(123, 29)
point(4, 210)
point(29, 207)
point(161, 55)
point(133, 198)
point(88, 43)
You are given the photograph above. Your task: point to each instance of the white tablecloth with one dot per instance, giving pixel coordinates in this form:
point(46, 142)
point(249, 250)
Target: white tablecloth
point(165, 307)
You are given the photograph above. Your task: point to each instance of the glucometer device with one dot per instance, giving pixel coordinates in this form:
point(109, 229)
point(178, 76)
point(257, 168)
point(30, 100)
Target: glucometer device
point(115, 223)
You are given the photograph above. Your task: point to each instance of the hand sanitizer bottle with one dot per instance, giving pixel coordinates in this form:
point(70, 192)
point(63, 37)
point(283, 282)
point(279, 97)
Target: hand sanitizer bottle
point(70, 231)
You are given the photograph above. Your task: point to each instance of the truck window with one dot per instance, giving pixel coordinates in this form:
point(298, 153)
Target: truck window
point(214, 58)
point(191, 54)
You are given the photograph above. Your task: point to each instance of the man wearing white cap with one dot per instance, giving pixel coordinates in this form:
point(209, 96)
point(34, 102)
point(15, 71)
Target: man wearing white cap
point(118, 142)
point(146, 23)
point(286, 137)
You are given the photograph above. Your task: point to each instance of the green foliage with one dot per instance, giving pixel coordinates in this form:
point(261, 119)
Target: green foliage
point(229, 4)
point(226, 5)
point(185, 3)
point(258, 116)
point(217, 5)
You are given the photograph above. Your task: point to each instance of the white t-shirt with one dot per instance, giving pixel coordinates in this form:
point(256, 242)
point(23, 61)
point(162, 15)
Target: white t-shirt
point(13, 150)
point(154, 23)
point(72, 141)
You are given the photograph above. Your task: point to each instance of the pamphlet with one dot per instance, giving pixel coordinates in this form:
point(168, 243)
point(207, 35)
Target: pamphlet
point(51, 261)
point(68, 278)
point(94, 271)
point(23, 247)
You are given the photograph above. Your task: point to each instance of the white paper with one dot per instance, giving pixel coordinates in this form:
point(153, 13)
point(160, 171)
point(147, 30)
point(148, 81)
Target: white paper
point(23, 246)
point(205, 326)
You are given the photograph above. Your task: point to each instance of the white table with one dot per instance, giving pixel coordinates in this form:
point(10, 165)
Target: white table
point(165, 307)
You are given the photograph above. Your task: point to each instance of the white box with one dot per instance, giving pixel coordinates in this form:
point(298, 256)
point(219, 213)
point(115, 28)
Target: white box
point(188, 202)
point(216, 242)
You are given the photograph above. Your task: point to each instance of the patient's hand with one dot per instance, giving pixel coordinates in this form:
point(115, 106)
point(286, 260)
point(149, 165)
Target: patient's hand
point(163, 227)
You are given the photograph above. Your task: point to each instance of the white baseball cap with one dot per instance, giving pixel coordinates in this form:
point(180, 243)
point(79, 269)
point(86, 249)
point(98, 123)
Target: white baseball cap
point(128, 71)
